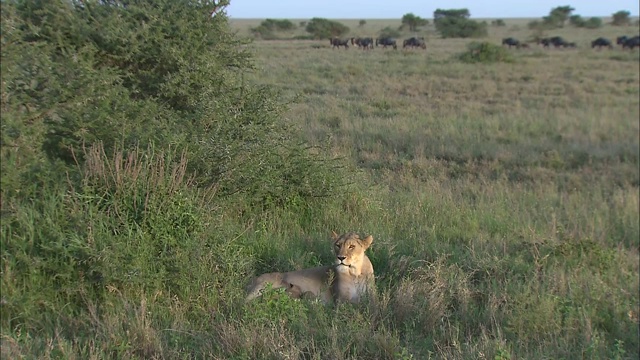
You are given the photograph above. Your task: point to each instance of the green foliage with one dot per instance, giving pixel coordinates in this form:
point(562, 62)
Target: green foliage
point(591, 23)
point(485, 52)
point(577, 21)
point(558, 16)
point(451, 13)
point(274, 306)
point(92, 68)
point(323, 28)
point(505, 215)
point(413, 22)
point(389, 32)
point(456, 23)
point(362, 23)
point(267, 28)
point(621, 18)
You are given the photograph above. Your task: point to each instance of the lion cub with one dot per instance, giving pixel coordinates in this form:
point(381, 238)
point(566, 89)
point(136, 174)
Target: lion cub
point(348, 279)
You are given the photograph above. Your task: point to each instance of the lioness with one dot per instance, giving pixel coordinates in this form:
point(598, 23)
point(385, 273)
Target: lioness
point(347, 280)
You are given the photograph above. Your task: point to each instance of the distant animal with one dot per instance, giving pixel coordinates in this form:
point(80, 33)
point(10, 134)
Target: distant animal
point(366, 43)
point(631, 43)
point(348, 280)
point(571, 45)
point(414, 42)
point(621, 39)
point(556, 41)
point(601, 42)
point(386, 41)
point(336, 42)
point(511, 42)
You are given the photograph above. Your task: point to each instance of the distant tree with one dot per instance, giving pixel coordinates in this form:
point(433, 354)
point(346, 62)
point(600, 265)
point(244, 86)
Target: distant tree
point(577, 21)
point(440, 14)
point(362, 23)
point(268, 27)
point(321, 28)
point(303, 23)
point(558, 16)
point(413, 21)
point(456, 23)
point(593, 23)
point(389, 32)
point(621, 18)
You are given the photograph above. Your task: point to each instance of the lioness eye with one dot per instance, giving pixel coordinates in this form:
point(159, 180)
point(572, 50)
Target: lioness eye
point(352, 247)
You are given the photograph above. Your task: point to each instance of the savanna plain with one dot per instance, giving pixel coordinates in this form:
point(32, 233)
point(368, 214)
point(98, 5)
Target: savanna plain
point(503, 199)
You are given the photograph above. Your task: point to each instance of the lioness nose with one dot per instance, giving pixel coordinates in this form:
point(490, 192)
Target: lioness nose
point(341, 258)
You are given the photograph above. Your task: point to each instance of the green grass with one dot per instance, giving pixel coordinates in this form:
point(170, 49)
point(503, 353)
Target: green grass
point(503, 201)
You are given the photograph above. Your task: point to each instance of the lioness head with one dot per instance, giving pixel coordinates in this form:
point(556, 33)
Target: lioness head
point(349, 250)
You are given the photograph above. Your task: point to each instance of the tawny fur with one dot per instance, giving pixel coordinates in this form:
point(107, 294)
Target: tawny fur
point(348, 279)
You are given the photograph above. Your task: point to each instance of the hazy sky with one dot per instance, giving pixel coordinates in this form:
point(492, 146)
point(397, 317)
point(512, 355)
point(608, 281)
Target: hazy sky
point(391, 9)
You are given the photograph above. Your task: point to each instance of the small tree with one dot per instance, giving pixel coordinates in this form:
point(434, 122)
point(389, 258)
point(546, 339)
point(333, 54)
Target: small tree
point(621, 18)
point(456, 23)
point(362, 23)
point(577, 21)
point(485, 52)
point(389, 32)
point(413, 21)
point(593, 23)
point(558, 16)
point(321, 28)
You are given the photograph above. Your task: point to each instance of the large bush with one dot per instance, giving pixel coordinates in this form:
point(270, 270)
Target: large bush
point(485, 52)
point(621, 18)
point(321, 28)
point(591, 23)
point(413, 21)
point(126, 127)
point(269, 27)
point(455, 23)
point(137, 73)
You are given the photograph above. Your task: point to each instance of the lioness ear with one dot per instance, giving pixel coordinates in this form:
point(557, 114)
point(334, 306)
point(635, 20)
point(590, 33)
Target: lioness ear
point(334, 236)
point(367, 242)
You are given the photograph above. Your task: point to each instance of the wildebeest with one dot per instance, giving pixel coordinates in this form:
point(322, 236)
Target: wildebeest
point(631, 43)
point(339, 42)
point(414, 42)
point(511, 42)
point(364, 43)
point(621, 39)
point(386, 41)
point(601, 42)
point(556, 41)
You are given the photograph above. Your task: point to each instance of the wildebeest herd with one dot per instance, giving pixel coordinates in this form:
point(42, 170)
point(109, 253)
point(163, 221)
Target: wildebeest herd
point(558, 42)
point(367, 43)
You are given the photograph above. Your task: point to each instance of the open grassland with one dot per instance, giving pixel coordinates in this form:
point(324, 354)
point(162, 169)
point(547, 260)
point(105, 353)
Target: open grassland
point(502, 198)
point(515, 183)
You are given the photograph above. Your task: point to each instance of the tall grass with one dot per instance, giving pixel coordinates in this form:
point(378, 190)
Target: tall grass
point(503, 201)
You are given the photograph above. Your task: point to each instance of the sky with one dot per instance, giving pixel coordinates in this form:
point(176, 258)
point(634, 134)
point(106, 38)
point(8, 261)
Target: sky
point(392, 9)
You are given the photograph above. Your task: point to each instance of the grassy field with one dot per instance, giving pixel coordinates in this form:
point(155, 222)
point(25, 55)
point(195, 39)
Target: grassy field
point(505, 204)
point(503, 200)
